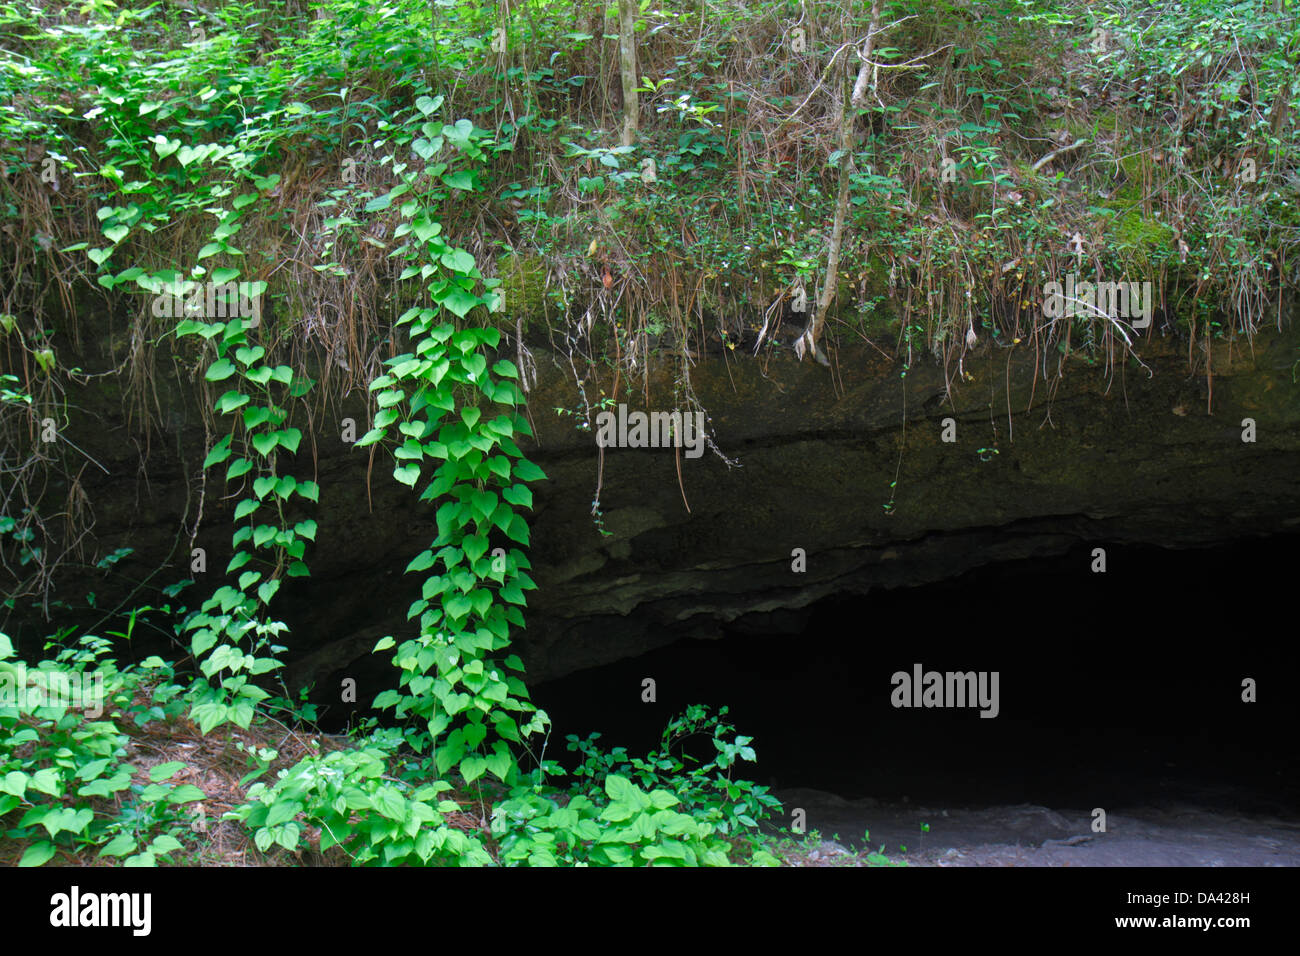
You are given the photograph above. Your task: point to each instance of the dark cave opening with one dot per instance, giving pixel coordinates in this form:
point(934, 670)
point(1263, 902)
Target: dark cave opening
point(1115, 688)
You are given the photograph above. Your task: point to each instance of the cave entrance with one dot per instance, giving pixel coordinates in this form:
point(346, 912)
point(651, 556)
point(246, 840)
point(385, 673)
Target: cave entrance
point(1113, 690)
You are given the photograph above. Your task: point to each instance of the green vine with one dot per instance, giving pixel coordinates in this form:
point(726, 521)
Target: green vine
point(457, 415)
point(231, 634)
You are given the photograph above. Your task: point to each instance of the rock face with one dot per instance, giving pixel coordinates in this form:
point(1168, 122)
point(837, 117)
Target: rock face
point(1134, 458)
point(841, 483)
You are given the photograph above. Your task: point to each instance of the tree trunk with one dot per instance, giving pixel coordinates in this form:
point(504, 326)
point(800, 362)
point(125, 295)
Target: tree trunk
point(627, 10)
point(849, 105)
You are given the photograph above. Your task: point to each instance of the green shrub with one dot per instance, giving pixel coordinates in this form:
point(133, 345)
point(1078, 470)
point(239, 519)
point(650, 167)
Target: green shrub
point(676, 817)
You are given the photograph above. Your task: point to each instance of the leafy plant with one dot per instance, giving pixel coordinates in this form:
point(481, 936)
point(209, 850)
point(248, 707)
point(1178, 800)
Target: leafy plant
point(64, 781)
point(707, 790)
point(236, 614)
point(675, 817)
point(454, 685)
point(623, 826)
point(354, 802)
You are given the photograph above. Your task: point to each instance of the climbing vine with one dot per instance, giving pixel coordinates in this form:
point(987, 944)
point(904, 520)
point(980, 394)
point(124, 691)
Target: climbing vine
point(268, 545)
point(460, 418)
point(231, 634)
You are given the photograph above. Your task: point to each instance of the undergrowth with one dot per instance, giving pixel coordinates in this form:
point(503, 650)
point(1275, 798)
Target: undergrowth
point(112, 775)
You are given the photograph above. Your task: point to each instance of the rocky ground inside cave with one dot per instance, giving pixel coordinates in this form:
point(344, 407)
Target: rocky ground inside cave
point(1174, 834)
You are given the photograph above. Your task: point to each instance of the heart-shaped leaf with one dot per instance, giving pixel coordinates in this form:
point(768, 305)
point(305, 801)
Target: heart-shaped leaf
point(426, 230)
point(520, 495)
point(289, 438)
point(231, 401)
point(164, 147)
point(220, 452)
point(458, 260)
point(460, 302)
point(428, 105)
point(219, 370)
point(255, 416)
point(457, 606)
point(266, 590)
point(461, 179)
point(247, 356)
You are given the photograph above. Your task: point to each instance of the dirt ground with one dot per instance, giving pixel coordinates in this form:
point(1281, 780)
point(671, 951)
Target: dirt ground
point(1028, 835)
